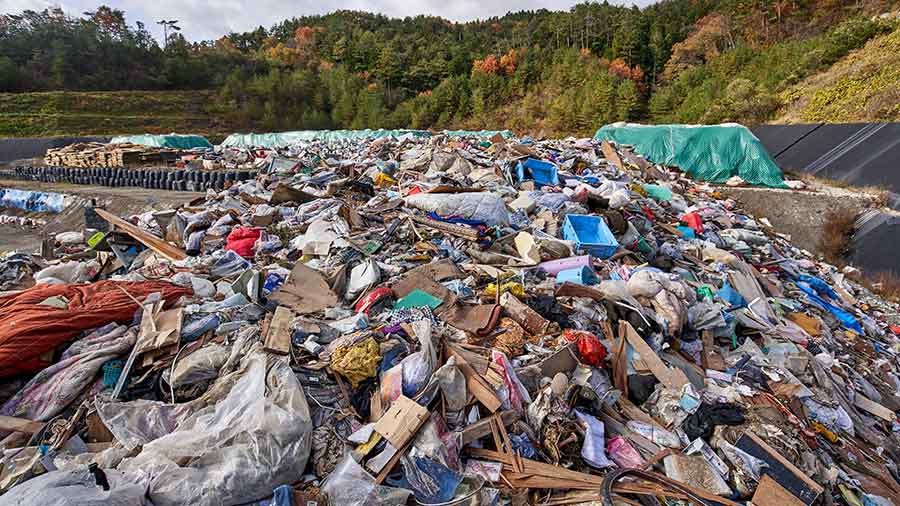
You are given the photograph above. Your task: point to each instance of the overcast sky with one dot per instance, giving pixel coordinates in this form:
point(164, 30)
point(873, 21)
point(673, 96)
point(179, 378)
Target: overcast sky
point(210, 19)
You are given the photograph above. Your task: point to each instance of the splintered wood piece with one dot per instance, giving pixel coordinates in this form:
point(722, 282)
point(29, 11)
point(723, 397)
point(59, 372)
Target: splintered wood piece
point(668, 376)
point(147, 239)
point(475, 383)
point(278, 336)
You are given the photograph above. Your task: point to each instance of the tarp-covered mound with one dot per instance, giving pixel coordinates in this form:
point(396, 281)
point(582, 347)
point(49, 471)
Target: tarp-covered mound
point(708, 153)
point(176, 141)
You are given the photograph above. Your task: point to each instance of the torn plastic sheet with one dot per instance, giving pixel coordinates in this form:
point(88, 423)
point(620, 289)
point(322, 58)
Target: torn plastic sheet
point(76, 488)
point(249, 433)
point(350, 485)
point(482, 206)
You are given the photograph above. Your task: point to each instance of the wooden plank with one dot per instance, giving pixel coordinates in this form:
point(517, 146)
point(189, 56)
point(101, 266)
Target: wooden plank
point(15, 424)
point(151, 241)
point(278, 336)
point(610, 154)
point(709, 357)
point(482, 427)
point(475, 383)
point(870, 406)
point(402, 421)
point(669, 377)
point(770, 493)
point(780, 469)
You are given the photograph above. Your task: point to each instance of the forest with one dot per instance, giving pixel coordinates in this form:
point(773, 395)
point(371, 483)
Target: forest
point(556, 71)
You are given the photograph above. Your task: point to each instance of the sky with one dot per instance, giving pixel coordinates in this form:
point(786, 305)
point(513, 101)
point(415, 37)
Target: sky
point(210, 19)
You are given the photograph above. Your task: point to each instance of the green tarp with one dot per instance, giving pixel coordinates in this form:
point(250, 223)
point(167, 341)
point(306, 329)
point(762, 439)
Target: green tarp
point(284, 139)
point(708, 153)
point(164, 141)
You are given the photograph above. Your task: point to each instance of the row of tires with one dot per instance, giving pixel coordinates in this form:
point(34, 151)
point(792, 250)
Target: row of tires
point(161, 179)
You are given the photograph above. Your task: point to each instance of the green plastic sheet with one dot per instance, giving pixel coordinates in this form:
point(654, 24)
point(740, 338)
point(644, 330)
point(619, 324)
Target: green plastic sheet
point(164, 141)
point(708, 153)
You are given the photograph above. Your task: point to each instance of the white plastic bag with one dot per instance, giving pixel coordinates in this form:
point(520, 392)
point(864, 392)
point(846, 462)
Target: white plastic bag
point(75, 488)
point(249, 433)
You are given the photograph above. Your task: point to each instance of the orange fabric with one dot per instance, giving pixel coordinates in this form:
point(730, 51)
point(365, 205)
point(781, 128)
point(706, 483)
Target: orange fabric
point(29, 329)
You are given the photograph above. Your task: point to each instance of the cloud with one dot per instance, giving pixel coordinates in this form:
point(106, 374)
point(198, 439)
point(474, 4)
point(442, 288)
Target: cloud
point(210, 19)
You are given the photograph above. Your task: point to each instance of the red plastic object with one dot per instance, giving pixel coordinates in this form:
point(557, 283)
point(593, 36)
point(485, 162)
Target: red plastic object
point(242, 239)
point(694, 221)
point(366, 303)
point(590, 348)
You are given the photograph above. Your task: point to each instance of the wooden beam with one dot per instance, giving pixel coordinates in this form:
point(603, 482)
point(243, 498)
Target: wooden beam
point(482, 427)
point(14, 424)
point(147, 239)
point(475, 383)
point(668, 376)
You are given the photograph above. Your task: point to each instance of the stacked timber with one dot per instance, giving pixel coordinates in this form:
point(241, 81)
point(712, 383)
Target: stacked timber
point(95, 154)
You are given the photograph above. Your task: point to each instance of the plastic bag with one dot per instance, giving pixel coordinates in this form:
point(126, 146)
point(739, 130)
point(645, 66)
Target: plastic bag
point(453, 385)
point(593, 451)
point(623, 454)
point(417, 367)
point(76, 488)
point(201, 365)
point(250, 432)
point(516, 391)
point(590, 348)
point(350, 485)
point(67, 272)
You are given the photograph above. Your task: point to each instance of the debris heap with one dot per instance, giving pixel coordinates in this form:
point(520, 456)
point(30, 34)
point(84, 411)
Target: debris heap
point(445, 320)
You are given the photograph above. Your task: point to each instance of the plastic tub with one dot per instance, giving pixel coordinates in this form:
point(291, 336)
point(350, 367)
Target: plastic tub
point(590, 234)
point(581, 276)
point(543, 173)
point(554, 266)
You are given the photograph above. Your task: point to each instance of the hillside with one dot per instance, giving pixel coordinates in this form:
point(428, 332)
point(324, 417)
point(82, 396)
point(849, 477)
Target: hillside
point(862, 87)
point(40, 114)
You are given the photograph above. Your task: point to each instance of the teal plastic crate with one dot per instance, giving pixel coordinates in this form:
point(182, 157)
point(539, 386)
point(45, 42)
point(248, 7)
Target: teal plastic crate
point(590, 235)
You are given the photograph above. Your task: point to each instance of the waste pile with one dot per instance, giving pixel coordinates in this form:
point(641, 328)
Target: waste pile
point(440, 320)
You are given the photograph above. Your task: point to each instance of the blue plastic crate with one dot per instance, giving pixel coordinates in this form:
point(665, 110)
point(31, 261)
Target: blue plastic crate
point(543, 173)
point(590, 234)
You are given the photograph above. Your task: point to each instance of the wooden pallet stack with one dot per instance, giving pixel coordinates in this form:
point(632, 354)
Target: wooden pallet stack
point(95, 154)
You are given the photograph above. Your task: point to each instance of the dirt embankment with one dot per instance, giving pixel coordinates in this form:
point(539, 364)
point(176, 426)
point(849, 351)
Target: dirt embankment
point(119, 201)
point(800, 214)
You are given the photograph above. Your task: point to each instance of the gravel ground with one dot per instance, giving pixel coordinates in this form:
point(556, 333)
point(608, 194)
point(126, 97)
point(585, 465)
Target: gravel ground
point(120, 201)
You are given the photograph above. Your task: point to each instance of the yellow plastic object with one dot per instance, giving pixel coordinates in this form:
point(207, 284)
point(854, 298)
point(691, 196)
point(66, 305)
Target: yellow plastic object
point(384, 181)
point(512, 287)
point(358, 362)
